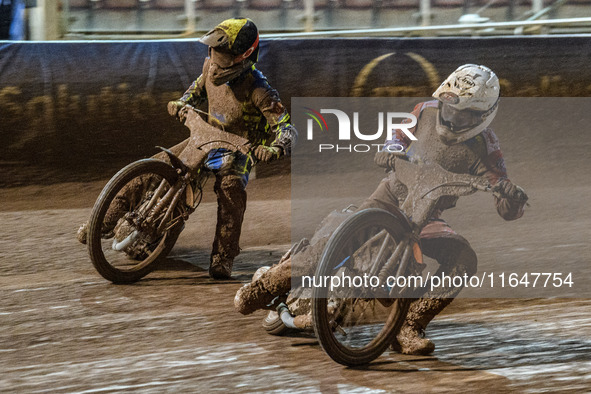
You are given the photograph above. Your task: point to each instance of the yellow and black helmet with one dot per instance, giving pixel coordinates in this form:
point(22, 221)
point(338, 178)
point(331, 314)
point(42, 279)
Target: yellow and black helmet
point(239, 35)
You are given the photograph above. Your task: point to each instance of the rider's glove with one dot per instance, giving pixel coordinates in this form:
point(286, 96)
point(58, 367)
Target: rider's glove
point(175, 106)
point(386, 159)
point(509, 190)
point(267, 153)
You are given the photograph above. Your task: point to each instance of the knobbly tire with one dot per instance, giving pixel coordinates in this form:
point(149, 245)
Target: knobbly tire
point(133, 268)
point(341, 319)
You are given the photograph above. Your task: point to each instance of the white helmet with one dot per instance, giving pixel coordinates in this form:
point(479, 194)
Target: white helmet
point(468, 103)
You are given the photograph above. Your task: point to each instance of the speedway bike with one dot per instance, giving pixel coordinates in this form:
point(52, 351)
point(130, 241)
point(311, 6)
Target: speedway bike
point(141, 211)
point(355, 325)
point(379, 252)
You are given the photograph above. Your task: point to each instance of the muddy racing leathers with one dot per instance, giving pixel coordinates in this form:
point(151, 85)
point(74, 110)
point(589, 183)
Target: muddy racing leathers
point(239, 100)
point(479, 155)
point(458, 144)
point(249, 107)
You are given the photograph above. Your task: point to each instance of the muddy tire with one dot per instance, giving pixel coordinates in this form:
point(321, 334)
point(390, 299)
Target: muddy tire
point(273, 324)
point(348, 336)
point(118, 267)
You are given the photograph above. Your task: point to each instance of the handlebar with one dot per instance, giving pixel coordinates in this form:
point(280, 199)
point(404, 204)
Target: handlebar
point(481, 187)
point(474, 185)
point(182, 115)
point(243, 147)
point(519, 195)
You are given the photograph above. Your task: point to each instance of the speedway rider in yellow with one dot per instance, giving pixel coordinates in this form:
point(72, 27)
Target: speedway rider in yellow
point(239, 99)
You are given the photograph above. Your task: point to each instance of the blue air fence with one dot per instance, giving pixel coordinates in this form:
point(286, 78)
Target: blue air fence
point(74, 110)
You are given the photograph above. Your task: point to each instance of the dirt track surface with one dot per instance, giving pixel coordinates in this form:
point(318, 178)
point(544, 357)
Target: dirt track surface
point(63, 328)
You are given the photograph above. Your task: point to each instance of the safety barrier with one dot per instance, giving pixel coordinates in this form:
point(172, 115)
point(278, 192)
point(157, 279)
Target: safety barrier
point(76, 108)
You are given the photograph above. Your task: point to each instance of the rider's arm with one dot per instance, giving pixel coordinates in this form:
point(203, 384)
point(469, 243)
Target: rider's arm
point(196, 94)
point(282, 132)
point(399, 138)
point(492, 166)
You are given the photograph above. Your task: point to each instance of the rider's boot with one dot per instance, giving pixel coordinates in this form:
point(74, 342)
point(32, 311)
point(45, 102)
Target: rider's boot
point(231, 198)
point(411, 338)
point(220, 267)
point(82, 233)
point(118, 208)
point(129, 195)
point(266, 285)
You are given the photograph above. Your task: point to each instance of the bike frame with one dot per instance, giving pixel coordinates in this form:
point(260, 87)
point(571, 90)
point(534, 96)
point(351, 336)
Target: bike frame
point(204, 138)
point(429, 183)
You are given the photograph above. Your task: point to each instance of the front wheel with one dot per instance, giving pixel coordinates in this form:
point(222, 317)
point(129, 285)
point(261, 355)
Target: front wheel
point(126, 239)
point(355, 319)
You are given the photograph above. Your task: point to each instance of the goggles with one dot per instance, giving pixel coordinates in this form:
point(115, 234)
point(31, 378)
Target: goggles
point(459, 121)
point(222, 57)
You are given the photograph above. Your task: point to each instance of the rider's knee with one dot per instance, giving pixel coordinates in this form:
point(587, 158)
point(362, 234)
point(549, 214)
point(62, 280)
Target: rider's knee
point(467, 261)
point(230, 183)
point(453, 253)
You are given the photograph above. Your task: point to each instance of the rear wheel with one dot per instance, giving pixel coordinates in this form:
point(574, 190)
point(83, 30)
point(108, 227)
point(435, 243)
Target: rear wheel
point(123, 245)
point(355, 320)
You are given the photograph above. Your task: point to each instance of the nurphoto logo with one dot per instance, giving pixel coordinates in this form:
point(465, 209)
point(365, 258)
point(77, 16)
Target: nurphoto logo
point(401, 121)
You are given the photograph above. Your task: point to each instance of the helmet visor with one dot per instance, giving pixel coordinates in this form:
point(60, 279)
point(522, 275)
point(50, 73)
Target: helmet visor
point(215, 38)
point(459, 121)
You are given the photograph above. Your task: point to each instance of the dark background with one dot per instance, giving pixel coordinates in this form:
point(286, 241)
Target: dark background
point(73, 111)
